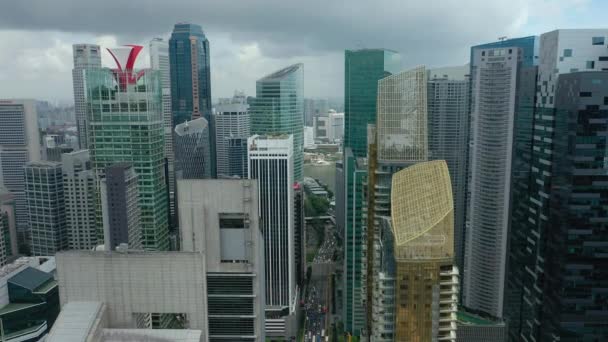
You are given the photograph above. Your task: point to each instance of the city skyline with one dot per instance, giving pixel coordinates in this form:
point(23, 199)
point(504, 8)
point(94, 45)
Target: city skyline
point(243, 50)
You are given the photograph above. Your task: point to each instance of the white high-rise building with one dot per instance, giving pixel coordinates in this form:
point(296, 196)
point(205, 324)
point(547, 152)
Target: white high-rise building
point(159, 60)
point(86, 56)
point(231, 121)
point(79, 192)
point(19, 144)
point(271, 163)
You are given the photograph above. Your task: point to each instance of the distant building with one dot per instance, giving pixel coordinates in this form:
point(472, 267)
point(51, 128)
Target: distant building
point(29, 298)
point(121, 213)
point(271, 164)
point(46, 207)
point(19, 144)
point(237, 157)
point(192, 151)
point(8, 227)
point(226, 229)
point(231, 121)
point(329, 127)
point(277, 109)
point(309, 134)
point(86, 56)
point(79, 186)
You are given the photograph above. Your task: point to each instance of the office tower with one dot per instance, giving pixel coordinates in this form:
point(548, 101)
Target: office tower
point(126, 125)
point(559, 222)
point(277, 109)
point(494, 109)
point(159, 60)
point(321, 128)
point(227, 230)
point(191, 79)
point(29, 301)
point(120, 207)
point(192, 151)
point(231, 121)
point(336, 126)
point(53, 146)
point(271, 163)
point(299, 225)
point(45, 207)
point(19, 144)
point(398, 140)
point(426, 280)
point(448, 123)
point(309, 137)
point(237, 157)
point(362, 71)
point(309, 112)
point(80, 198)
point(86, 56)
point(8, 227)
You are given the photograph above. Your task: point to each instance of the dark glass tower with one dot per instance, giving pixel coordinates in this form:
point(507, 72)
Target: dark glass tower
point(191, 79)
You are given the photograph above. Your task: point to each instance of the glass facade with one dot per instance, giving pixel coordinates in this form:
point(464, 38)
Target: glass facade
point(189, 63)
point(278, 109)
point(126, 125)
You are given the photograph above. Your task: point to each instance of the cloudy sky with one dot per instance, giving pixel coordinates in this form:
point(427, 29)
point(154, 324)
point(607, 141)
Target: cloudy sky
point(250, 38)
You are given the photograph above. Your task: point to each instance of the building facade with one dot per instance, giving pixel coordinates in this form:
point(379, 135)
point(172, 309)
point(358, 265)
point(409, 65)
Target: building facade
point(19, 144)
point(563, 200)
point(271, 164)
point(86, 56)
point(46, 207)
point(232, 121)
point(120, 208)
point(79, 188)
point(278, 109)
point(126, 125)
point(237, 157)
point(190, 71)
point(227, 230)
point(192, 151)
point(448, 136)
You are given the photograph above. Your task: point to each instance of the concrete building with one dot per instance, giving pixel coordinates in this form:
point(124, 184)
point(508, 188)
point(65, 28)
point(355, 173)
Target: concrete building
point(227, 230)
point(138, 138)
point(19, 144)
point(192, 151)
point(46, 207)
point(448, 136)
point(120, 209)
point(86, 56)
point(29, 298)
point(271, 164)
point(79, 188)
point(278, 109)
point(159, 60)
point(231, 121)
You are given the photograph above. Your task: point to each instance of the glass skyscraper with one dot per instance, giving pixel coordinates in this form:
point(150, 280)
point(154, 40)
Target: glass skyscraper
point(189, 63)
point(278, 109)
point(126, 125)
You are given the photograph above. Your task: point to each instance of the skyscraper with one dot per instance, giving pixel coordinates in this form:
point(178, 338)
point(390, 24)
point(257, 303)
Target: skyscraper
point(554, 266)
point(46, 207)
point(8, 225)
point(120, 207)
point(86, 56)
point(79, 192)
point(189, 58)
point(19, 144)
point(231, 121)
point(192, 151)
point(271, 163)
point(159, 60)
point(426, 288)
point(126, 125)
point(278, 109)
point(237, 157)
point(362, 71)
point(448, 117)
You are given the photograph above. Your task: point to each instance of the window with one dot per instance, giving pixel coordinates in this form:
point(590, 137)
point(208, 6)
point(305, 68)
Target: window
point(590, 64)
point(606, 100)
point(603, 58)
point(597, 40)
point(567, 52)
point(585, 94)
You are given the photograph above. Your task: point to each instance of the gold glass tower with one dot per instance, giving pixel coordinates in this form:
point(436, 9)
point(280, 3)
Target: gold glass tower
point(426, 289)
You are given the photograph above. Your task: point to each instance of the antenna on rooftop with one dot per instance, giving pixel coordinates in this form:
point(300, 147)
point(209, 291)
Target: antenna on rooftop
point(503, 38)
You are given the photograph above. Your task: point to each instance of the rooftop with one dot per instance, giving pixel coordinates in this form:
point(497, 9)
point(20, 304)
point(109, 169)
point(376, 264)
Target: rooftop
point(472, 319)
point(31, 279)
point(282, 73)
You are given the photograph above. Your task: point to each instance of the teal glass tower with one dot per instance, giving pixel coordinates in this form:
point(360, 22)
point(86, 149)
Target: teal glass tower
point(189, 65)
point(279, 109)
point(126, 125)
